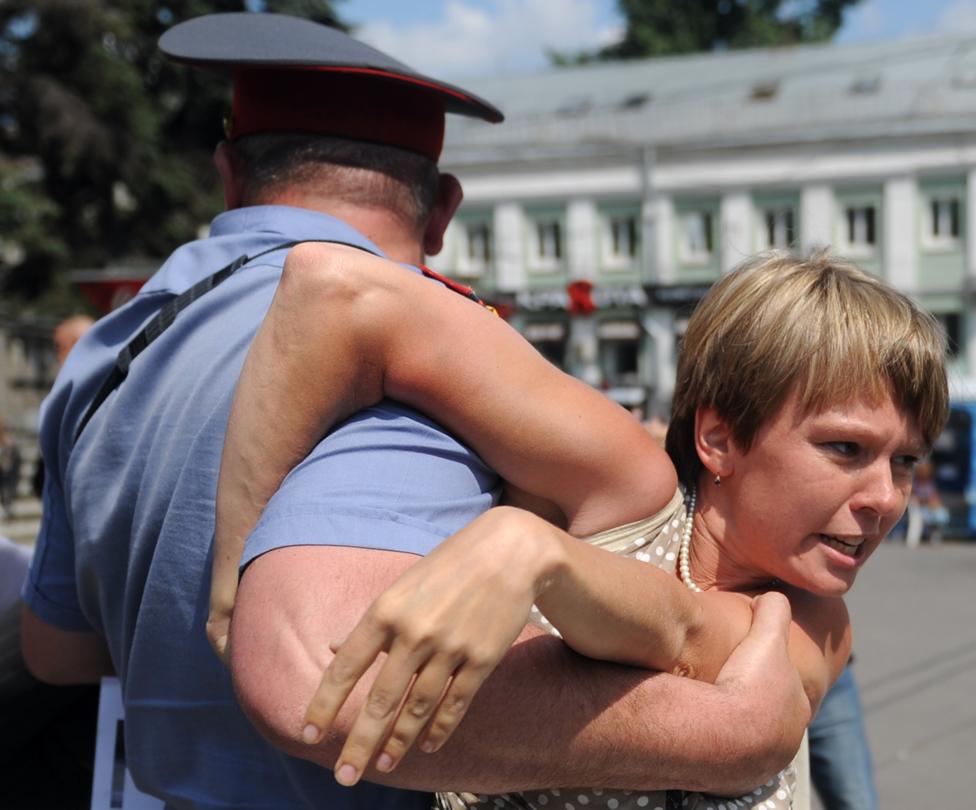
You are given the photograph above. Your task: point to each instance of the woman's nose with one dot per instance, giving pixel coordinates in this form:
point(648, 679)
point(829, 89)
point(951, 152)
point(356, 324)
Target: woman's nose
point(880, 492)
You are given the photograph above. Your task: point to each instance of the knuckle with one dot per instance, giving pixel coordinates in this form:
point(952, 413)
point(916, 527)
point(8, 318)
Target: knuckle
point(418, 707)
point(338, 673)
point(453, 707)
point(399, 742)
point(358, 749)
point(481, 658)
point(383, 615)
point(455, 650)
point(419, 636)
point(378, 705)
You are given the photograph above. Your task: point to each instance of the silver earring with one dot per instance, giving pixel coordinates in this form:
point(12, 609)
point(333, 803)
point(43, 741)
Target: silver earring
point(717, 480)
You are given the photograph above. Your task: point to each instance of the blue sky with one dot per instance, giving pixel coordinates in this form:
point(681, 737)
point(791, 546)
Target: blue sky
point(457, 38)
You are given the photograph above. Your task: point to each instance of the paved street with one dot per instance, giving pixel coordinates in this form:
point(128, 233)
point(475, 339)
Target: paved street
point(914, 614)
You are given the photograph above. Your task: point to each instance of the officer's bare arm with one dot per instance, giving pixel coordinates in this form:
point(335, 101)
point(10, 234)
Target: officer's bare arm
point(62, 657)
point(347, 328)
point(544, 717)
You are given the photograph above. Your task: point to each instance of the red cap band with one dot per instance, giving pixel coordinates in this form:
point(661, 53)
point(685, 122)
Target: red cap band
point(362, 105)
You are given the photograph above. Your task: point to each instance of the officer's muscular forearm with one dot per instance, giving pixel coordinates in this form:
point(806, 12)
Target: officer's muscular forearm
point(305, 370)
point(545, 717)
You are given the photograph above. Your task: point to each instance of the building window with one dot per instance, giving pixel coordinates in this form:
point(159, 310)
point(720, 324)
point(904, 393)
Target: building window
point(546, 250)
point(860, 228)
point(620, 343)
point(476, 249)
point(479, 243)
point(778, 228)
point(942, 228)
point(549, 339)
point(550, 244)
point(951, 324)
point(619, 361)
point(696, 245)
point(621, 240)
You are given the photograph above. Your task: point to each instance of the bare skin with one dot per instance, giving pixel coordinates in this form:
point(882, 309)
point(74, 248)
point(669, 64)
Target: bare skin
point(372, 339)
point(515, 735)
point(295, 600)
point(474, 379)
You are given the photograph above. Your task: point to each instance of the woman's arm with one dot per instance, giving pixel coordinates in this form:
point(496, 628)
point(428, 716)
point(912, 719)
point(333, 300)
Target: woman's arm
point(347, 328)
point(545, 716)
point(451, 618)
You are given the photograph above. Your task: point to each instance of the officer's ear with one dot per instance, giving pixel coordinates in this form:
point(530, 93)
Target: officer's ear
point(228, 165)
point(449, 196)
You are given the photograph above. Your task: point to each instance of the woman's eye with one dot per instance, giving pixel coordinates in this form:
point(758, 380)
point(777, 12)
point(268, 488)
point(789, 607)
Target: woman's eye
point(907, 462)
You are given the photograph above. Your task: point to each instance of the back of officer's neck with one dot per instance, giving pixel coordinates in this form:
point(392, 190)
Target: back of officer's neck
point(390, 231)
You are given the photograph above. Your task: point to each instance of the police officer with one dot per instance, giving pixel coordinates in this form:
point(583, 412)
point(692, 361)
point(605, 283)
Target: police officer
point(327, 140)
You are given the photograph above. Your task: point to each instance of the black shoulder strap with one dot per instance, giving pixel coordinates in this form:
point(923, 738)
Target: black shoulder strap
point(163, 319)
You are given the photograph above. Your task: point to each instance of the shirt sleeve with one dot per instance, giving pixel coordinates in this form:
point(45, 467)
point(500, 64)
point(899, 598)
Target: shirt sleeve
point(50, 590)
point(388, 478)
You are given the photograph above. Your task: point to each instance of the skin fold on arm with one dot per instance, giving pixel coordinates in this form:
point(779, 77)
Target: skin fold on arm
point(370, 329)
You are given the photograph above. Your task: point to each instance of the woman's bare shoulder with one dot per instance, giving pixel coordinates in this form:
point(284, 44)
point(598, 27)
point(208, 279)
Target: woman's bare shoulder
point(820, 640)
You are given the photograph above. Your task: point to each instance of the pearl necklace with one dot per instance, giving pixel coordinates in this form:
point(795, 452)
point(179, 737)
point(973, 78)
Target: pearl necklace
point(684, 567)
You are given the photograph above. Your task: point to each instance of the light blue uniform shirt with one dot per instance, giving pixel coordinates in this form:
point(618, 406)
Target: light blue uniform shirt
point(125, 545)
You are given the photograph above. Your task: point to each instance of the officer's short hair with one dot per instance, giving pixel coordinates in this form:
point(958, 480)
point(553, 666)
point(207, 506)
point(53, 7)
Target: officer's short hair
point(356, 172)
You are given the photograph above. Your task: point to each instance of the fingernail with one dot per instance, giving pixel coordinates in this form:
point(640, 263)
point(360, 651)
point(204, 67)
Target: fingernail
point(346, 775)
point(384, 762)
point(428, 747)
point(310, 734)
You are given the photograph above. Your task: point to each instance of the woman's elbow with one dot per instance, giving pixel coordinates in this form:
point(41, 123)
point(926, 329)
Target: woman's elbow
point(314, 271)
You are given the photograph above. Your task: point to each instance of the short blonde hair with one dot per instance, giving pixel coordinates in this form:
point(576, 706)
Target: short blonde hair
point(819, 326)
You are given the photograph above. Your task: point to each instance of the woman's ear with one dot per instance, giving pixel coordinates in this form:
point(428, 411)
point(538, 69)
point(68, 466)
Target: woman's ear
point(714, 443)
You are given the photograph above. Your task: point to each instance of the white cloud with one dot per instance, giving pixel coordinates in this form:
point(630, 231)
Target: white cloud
point(957, 17)
point(864, 22)
point(502, 36)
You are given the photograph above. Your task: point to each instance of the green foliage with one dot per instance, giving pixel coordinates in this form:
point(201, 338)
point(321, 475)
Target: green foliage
point(665, 27)
point(105, 146)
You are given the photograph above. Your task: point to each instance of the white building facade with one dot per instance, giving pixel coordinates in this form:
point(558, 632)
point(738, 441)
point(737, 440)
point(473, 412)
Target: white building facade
point(613, 195)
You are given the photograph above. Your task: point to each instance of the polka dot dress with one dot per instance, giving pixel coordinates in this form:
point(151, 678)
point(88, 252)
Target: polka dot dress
point(654, 540)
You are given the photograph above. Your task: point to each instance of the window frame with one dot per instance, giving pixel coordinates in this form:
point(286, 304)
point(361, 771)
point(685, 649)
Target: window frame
point(537, 262)
point(687, 255)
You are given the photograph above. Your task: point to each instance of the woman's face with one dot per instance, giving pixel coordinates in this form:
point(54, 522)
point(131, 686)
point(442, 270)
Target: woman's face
point(816, 494)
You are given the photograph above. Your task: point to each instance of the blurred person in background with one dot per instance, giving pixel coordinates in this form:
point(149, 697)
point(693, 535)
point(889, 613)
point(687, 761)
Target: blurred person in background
point(66, 335)
point(928, 516)
point(841, 766)
point(9, 471)
point(14, 562)
point(48, 744)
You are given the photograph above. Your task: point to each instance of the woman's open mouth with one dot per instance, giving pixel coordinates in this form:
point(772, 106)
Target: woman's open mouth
point(849, 548)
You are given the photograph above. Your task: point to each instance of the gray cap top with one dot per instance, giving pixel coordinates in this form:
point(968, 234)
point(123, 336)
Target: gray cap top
point(255, 40)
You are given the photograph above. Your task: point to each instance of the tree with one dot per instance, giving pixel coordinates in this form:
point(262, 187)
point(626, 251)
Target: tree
point(664, 27)
point(104, 145)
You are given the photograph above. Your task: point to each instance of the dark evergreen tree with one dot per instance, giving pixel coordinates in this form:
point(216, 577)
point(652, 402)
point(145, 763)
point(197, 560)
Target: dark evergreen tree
point(665, 27)
point(105, 146)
